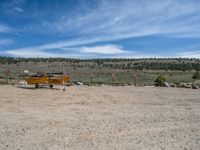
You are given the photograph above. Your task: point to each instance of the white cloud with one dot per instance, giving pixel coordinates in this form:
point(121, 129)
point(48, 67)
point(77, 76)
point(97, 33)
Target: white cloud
point(104, 51)
point(42, 51)
point(42, 54)
point(30, 53)
point(107, 49)
point(75, 54)
point(189, 54)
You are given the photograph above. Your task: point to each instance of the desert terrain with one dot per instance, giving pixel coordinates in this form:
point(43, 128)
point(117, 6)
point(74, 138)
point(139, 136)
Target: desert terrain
point(104, 118)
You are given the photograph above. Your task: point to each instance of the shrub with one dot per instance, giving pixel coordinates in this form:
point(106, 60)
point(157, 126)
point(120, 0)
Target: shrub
point(160, 80)
point(196, 76)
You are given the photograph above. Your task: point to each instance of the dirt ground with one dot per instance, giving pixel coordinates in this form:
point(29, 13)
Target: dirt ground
point(124, 118)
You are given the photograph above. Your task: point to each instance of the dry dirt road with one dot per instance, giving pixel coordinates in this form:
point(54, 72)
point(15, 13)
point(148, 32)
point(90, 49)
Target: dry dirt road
point(90, 118)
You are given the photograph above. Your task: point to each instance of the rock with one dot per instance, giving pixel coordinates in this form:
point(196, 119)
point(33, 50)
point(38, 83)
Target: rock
point(150, 86)
point(22, 83)
point(173, 85)
point(195, 86)
point(184, 85)
point(165, 84)
point(79, 83)
point(26, 71)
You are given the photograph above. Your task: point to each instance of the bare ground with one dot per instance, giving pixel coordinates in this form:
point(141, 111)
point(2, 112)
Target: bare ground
point(130, 118)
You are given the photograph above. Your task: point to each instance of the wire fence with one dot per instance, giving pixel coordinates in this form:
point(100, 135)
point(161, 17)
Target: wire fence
point(91, 78)
point(104, 78)
point(107, 77)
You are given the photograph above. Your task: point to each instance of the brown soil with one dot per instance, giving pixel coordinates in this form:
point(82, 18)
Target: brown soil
point(100, 118)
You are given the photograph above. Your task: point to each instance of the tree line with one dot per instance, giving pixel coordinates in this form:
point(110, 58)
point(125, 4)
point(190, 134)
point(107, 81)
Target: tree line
point(182, 64)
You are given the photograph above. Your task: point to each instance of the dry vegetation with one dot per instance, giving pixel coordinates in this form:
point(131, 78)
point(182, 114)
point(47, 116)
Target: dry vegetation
point(100, 118)
point(126, 71)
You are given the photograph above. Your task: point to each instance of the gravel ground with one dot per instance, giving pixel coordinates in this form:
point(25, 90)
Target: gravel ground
point(128, 118)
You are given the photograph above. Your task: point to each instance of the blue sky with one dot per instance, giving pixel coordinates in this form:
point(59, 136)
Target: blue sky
point(100, 28)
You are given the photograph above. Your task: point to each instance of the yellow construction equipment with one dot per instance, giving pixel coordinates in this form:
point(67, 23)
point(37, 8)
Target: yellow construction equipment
point(48, 79)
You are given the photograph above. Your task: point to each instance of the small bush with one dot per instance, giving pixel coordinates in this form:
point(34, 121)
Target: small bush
point(160, 80)
point(2, 82)
point(196, 76)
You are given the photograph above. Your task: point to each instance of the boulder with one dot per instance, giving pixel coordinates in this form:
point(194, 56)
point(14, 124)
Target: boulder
point(165, 84)
point(173, 85)
point(184, 85)
point(76, 83)
point(195, 86)
point(79, 83)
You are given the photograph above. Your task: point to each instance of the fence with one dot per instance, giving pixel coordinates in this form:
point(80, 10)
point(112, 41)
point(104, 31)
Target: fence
point(91, 78)
point(108, 77)
point(105, 78)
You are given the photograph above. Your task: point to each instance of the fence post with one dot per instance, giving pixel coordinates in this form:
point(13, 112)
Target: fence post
point(135, 79)
point(7, 73)
point(113, 78)
point(91, 78)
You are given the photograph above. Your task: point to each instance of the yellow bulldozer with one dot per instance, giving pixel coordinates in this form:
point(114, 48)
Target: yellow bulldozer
point(48, 79)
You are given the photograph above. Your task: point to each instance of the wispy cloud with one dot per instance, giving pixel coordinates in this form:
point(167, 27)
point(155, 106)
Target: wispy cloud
point(110, 21)
point(6, 41)
point(30, 53)
point(5, 28)
point(58, 45)
point(130, 18)
point(103, 51)
point(43, 51)
point(18, 9)
point(13, 6)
